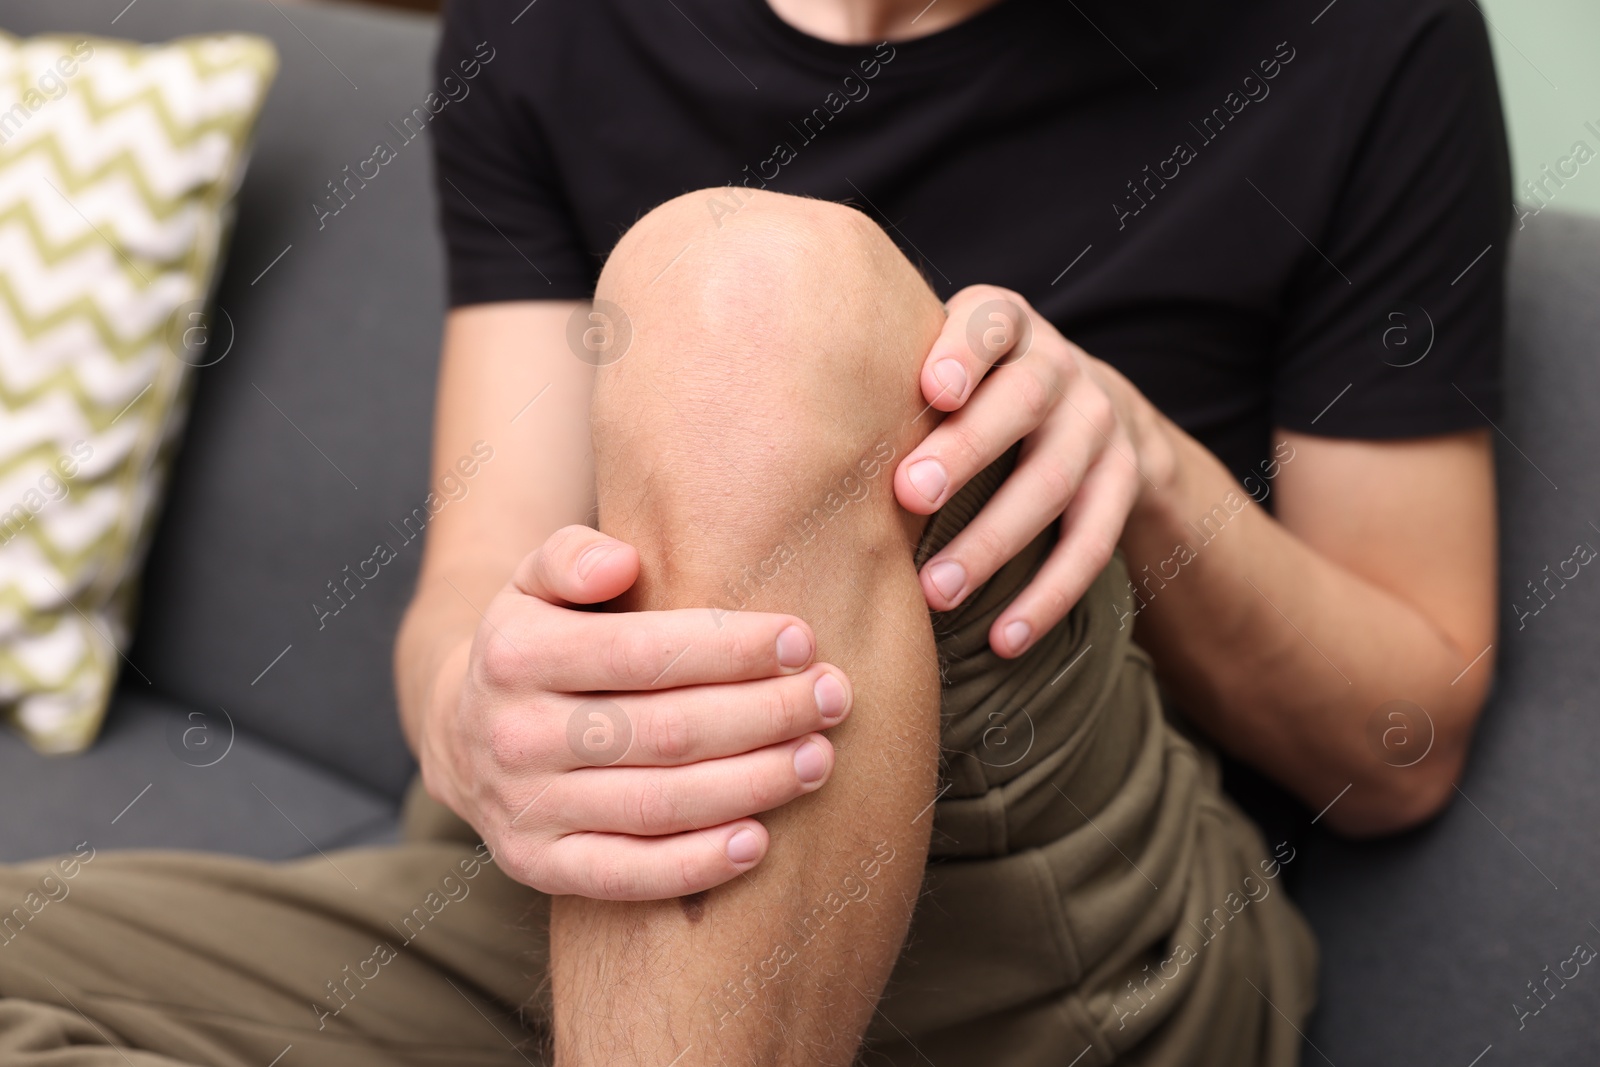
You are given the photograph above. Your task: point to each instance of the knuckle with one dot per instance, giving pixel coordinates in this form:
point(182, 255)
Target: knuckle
point(745, 651)
point(987, 544)
point(1054, 604)
point(562, 806)
point(1102, 415)
point(1059, 354)
point(538, 871)
point(501, 663)
point(561, 551)
point(544, 563)
point(651, 809)
point(508, 743)
point(526, 862)
point(1055, 482)
point(791, 704)
point(613, 881)
point(668, 732)
point(526, 813)
point(778, 707)
point(968, 446)
point(525, 577)
point(691, 870)
point(1099, 548)
point(561, 545)
point(629, 654)
point(1034, 396)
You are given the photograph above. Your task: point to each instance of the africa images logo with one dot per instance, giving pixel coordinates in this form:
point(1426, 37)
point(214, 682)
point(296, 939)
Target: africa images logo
point(599, 732)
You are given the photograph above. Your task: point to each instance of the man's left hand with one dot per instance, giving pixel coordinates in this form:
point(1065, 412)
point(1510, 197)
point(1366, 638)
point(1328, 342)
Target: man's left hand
point(1092, 449)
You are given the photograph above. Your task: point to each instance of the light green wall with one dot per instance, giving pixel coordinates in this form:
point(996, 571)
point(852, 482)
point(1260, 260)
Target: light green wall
point(1548, 56)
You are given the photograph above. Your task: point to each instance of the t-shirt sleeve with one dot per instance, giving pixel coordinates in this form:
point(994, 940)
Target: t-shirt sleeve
point(1401, 335)
point(508, 234)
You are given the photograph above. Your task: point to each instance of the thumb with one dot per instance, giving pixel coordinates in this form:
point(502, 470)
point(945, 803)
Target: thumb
point(577, 565)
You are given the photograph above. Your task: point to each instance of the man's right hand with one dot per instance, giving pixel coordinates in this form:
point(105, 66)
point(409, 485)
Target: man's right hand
point(621, 755)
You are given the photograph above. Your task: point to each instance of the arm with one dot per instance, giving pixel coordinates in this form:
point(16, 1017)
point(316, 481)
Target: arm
point(497, 357)
point(1284, 635)
point(1381, 552)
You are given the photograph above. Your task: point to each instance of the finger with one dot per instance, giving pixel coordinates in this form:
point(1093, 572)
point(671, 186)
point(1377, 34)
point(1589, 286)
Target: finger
point(577, 565)
point(596, 652)
point(651, 801)
point(984, 327)
point(1030, 500)
point(672, 727)
point(702, 722)
point(1011, 405)
point(620, 867)
point(1090, 531)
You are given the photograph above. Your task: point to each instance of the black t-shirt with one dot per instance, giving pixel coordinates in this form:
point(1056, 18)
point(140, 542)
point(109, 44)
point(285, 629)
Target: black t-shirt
point(1263, 213)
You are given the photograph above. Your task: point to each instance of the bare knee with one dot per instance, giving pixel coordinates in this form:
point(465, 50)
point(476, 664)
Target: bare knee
point(771, 372)
point(782, 291)
point(736, 238)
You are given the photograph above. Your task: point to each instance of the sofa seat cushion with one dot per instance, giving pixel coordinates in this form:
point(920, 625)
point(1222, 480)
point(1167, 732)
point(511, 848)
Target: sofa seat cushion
point(164, 775)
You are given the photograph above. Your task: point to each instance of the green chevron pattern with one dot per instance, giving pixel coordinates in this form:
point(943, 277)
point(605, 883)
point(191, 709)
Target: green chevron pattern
point(118, 165)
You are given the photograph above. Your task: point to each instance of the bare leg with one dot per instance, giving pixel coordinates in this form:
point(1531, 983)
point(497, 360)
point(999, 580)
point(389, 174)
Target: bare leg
point(745, 443)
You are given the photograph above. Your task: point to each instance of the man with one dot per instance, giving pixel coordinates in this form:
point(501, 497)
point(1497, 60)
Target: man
point(1218, 336)
point(1250, 214)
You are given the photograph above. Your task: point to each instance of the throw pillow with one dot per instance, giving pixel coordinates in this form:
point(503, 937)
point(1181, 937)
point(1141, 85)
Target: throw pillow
point(118, 165)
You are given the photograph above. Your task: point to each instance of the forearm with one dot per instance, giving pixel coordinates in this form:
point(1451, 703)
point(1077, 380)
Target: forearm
point(1284, 656)
point(431, 650)
point(513, 398)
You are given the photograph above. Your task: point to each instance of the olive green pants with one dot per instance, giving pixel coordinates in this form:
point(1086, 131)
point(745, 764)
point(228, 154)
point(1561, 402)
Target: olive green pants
point(1092, 897)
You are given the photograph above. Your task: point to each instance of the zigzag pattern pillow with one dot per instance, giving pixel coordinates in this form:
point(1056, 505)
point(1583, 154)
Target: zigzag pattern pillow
point(118, 163)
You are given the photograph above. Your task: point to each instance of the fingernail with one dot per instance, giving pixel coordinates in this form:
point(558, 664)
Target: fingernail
point(744, 846)
point(1017, 634)
point(810, 762)
point(591, 557)
point(830, 697)
point(948, 577)
point(953, 376)
point(794, 647)
point(929, 478)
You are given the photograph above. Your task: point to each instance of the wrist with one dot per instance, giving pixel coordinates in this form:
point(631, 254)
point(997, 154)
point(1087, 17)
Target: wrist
point(1156, 442)
point(443, 702)
point(1194, 484)
point(1163, 464)
point(440, 714)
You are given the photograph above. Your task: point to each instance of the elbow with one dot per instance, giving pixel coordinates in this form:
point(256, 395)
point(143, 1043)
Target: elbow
point(1428, 799)
point(1393, 795)
point(1386, 800)
point(1394, 807)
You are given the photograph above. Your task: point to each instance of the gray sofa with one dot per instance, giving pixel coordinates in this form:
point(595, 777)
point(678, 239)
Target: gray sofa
point(247, 727)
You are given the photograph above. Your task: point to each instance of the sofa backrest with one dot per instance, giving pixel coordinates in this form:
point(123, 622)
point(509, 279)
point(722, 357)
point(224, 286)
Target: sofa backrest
point(1430, 940)
point(310, 437)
